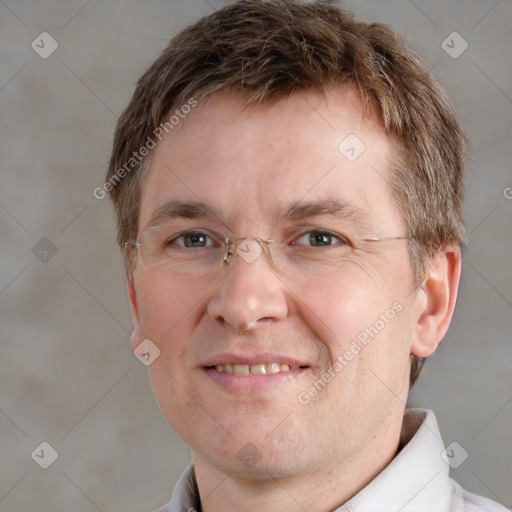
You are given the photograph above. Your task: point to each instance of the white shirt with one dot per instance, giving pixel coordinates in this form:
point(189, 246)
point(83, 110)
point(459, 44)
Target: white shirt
point(416, 480)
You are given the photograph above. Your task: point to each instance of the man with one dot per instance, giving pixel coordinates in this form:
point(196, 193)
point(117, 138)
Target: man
point(288, 185)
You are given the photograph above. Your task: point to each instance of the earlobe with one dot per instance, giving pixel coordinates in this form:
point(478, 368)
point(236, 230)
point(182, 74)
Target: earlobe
point(137, 336)
point(436, 300)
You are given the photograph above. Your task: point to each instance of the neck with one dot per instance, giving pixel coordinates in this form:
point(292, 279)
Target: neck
point(320, 489)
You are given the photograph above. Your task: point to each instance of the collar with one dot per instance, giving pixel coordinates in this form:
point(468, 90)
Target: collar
point(416, 479)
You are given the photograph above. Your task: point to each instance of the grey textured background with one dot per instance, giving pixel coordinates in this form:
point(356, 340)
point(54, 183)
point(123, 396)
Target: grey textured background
point(67, 375)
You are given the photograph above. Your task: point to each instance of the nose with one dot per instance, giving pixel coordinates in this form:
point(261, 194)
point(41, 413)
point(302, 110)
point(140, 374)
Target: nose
point(251, 294)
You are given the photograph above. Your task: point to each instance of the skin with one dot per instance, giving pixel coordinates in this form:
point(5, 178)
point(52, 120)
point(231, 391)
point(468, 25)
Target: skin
point(246, 162)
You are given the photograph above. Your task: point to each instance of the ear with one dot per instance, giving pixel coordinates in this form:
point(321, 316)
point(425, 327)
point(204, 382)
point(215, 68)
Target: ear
point(137, 336)
point(436, 300)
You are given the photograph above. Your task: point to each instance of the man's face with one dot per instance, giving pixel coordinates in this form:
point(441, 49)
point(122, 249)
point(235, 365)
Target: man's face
point(263, 172)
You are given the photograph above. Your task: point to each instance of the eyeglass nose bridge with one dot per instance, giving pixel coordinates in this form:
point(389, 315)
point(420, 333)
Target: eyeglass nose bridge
point(249, 252)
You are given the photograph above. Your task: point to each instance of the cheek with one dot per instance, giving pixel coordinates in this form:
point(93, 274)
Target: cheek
point(168, 314)
point(162, 305)
point(340, 309)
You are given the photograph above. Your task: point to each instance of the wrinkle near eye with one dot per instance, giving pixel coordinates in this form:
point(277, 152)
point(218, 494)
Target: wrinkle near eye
point(374, 265)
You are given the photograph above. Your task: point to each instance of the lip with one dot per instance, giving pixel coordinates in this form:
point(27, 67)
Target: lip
point(251, 383)
point(240, 384)
point(252, 359)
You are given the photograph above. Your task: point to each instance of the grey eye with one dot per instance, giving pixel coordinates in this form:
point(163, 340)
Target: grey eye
point(321, 238)
point(192, 240)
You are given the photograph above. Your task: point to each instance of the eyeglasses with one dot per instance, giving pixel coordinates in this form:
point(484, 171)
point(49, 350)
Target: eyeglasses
point(299, 249)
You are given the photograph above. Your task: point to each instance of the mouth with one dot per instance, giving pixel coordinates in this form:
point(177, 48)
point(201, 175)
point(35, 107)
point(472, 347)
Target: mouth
point(257, 373)
point(254, 369)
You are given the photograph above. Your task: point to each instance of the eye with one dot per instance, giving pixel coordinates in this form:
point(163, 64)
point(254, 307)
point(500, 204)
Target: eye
point(192, 240)
point(321, 238)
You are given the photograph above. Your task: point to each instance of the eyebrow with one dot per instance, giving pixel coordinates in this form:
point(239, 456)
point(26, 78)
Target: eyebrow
point(337, 208)
point(180, 210)
point(300, 210)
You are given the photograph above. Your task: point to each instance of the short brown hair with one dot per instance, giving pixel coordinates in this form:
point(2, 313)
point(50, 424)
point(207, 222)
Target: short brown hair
point(268, 50)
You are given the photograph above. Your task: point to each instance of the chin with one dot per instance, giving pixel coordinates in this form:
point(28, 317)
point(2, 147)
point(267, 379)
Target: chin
point(255, 466)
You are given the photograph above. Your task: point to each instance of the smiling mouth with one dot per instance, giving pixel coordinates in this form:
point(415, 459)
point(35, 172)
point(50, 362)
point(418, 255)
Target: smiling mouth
point(254, 369)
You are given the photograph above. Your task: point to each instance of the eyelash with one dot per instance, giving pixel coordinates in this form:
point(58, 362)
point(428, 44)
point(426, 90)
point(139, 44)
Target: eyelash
point(336, 236)
point(172, 241)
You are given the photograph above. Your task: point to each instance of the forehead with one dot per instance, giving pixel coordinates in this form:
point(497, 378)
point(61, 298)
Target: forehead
point(248, 162)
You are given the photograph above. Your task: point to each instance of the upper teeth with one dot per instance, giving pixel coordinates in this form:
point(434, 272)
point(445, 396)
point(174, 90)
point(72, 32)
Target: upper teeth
point(254, 369)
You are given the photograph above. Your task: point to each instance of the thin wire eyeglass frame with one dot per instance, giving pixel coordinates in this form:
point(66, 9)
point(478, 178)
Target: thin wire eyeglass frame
point(231, 245)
